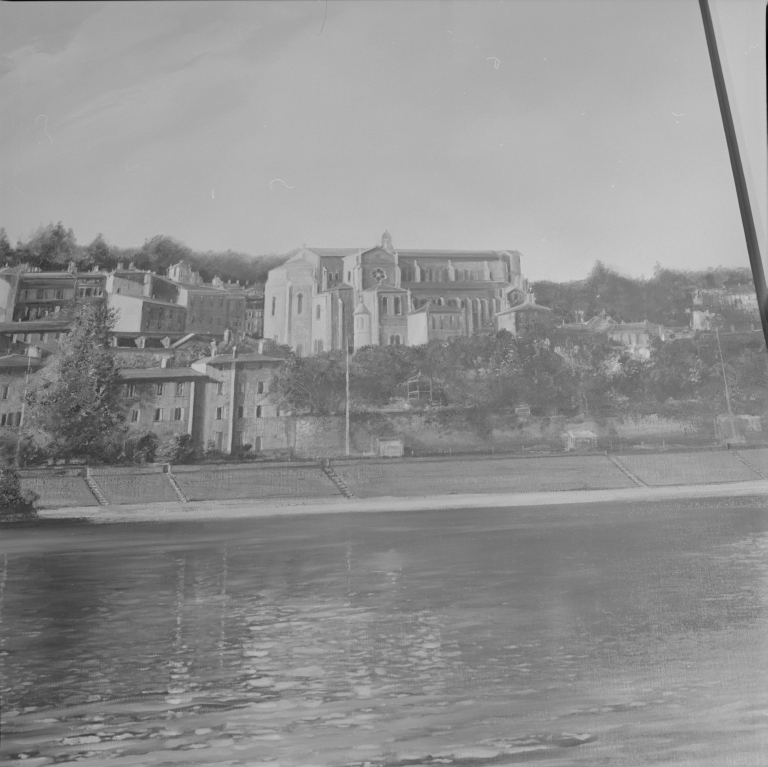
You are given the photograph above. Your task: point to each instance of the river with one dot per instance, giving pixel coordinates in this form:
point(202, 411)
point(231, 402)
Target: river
point(582, 635)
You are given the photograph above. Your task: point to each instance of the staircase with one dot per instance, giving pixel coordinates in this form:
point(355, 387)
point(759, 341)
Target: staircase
point(98, 493)
point(325, 467)
point(624, 470)
point(748, 464)
point(176, 488)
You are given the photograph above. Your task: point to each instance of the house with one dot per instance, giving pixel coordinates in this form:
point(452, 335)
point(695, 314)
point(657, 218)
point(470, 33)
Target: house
point(210, 307)
point(636, 337)
point(166, 401)
point(323, 298)
point(254, 311)
point(236, 408)
point(524, 315)
point(40, 306)
point(15, 370)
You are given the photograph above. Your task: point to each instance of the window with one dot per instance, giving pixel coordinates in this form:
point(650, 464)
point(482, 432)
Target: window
point(384, 305)
point(219, 440)
point(259, 411)
point(299, 350)
point(260, 387)
point(60, 294)
point(394, 340)
point(219, 413)
point(220, 387)
point(317, 312)
point(160, 388)
point(158, 414)
point(178, 413)
point(359, 323)
point(3, 418)
point(135, 416)
point(274, 304)
point(398, 305)
point(180, 389)
point(349, 277)
point(318, 345)
point(130, 390)
point(299, 303)
point(241, 387)
point(5, 392)
point(240, 411)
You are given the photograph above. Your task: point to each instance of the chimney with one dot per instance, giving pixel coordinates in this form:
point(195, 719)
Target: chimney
point(164, 362)
point(234, 352)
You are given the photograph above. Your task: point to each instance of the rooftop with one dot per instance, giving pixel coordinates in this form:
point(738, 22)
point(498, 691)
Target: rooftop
point(152, 374)
point(220, 359)
point(20, 361)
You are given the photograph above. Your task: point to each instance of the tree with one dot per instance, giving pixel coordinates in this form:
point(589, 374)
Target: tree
point(14, 500)
point(98, 253)
point(50, 247)
point(76, 403)
point(313, 385)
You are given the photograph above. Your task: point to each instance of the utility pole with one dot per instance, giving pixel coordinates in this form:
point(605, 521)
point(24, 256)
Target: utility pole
point(747, 220)
point(23, 407)
point(346, 409)
point(725, 380)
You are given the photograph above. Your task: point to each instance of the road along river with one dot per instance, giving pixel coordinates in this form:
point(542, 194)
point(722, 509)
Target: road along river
point(608, 633)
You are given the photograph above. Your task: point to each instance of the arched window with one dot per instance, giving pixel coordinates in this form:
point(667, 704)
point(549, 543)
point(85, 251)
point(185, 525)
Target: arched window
point(299, 303)
point(398, 305)
point(440, 301)
point(317, 312)
point(349, 277)
point(274, 304)
point(384, 305)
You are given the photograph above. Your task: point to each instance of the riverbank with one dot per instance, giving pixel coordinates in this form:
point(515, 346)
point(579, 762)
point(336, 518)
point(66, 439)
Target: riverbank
point(250, 509)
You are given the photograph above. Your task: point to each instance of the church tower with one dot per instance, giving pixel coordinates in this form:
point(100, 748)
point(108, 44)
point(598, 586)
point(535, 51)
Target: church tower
point(362, 320)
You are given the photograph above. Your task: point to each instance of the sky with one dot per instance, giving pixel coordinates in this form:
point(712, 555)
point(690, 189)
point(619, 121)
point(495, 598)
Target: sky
point(569, 130)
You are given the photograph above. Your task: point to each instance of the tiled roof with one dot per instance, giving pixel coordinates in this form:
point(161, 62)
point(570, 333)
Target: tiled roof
point(35, 326)
point(19, 361)
point(153, 374)
point(247, 357)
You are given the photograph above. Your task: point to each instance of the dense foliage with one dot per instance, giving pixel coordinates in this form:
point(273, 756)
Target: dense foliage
point(75, 402)
point(548, 372)
point(52, 247)
point(664, 298)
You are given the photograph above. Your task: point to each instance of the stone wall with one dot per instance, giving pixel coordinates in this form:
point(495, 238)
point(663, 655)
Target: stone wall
point(445, 432)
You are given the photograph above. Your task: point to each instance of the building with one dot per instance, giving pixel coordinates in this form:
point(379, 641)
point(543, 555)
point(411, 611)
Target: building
point(14, 372)
point(166, 401)
point(236, 409)
point(211, 308)
point(254, 311)
point(322, 299)
point(525, 315)
point(636, 337)
point(40, 306)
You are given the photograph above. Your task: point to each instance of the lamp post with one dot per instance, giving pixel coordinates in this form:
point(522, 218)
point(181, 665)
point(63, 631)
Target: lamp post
point(23, 408)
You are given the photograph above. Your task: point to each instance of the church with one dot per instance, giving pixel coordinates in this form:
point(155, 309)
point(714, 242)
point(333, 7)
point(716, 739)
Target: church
point(328, 298)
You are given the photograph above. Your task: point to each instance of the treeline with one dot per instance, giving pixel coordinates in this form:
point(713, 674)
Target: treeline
point(547, 372)
point(664, 298)
point(53, 247)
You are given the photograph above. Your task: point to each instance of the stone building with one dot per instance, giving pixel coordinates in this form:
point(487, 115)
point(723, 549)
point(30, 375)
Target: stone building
point(166, 401)
point(322, 299)
point(14, 372)
point(236, 409)
point(39, 307)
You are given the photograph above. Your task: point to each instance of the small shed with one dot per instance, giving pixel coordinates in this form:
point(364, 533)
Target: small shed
point(580, 440)
point(391, 448)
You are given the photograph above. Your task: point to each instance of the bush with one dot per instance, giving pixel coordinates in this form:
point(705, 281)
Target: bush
point(212, 453)
point(13, 500)
point(142, 449)
point(179, 449)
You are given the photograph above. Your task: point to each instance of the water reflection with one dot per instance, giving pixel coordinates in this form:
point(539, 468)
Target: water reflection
point(434, 637)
